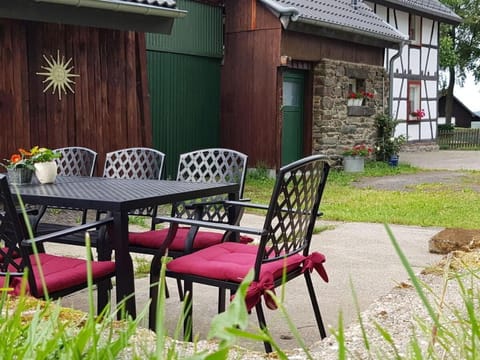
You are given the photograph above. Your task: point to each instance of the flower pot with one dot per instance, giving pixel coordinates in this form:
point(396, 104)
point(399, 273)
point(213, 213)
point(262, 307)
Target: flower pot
point(46, 172)
point(393, 161)
point(353, 163)
point(354, 102)
point(19, 176)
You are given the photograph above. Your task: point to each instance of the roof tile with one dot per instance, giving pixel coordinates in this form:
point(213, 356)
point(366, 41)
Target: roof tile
point(342, 14)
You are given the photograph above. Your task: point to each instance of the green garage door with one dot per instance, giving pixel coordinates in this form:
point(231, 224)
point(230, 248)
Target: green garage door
point(184, 82)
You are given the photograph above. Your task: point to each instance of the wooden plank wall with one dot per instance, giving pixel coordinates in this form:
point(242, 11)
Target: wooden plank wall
point(249, 121)
point(110, 107)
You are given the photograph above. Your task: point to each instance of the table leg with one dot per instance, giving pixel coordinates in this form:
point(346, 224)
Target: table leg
point(125, 281)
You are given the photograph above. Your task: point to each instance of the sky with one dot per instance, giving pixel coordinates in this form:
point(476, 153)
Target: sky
point(469, 94)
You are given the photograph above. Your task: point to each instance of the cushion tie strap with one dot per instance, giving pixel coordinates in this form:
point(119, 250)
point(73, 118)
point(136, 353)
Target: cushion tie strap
point(315, 261)
point(259, 288)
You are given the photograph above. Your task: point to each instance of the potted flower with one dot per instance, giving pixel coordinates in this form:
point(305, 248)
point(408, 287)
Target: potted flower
point(19, 167)
point(418, 114)
point(45, 164)
point(354, 157)
point(356, 98)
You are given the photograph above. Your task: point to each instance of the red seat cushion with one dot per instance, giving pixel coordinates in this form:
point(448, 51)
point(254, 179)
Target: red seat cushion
point(61, 273)
point(229, 261)
point(154, 239)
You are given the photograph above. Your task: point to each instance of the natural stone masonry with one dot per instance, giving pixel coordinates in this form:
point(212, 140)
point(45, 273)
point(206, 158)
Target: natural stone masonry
point(333, 127)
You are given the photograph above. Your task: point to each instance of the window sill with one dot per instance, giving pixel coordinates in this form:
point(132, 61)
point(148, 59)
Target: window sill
point(360, 111)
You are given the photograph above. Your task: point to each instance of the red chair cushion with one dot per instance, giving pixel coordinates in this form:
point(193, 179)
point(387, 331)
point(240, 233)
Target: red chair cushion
point(229, 261)
point(154, 239)
point(61, 273)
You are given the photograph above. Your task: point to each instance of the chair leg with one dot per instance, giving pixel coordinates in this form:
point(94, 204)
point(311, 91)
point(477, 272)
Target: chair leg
point(221, 300)
point(103, 294)
point(263, 325)
point(316, 308)
point(152, 313)
point(181, 295)
point(188, 311)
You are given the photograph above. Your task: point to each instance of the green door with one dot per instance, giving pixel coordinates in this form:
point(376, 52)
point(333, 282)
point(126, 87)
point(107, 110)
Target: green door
point(292, 112)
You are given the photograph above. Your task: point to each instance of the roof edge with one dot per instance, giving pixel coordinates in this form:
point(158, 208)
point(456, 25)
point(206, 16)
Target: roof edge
point(401, 37)
point(122, 6)
point(448, 19)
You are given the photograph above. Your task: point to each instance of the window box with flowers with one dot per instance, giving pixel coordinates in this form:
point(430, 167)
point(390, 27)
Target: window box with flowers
point(417, 115)
point(354, 158)
point(358, 98)
point(41, 161)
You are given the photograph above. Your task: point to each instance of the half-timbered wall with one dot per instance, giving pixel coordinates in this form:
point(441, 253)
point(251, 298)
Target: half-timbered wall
point(418, 63)
point(109, 109)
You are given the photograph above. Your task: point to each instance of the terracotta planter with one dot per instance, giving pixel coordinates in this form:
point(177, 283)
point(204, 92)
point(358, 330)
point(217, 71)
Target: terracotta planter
point(19, 176)
point(46, 172)
point(353, 163)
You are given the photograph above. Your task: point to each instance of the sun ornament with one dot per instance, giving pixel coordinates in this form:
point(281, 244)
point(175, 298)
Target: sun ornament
point(58, 75)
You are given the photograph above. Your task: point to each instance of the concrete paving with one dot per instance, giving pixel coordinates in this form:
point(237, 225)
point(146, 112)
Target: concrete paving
point(359, 256)
point(443, 160)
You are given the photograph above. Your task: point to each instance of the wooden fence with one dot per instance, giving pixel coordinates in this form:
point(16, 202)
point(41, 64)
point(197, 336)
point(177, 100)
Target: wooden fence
point(459, 139)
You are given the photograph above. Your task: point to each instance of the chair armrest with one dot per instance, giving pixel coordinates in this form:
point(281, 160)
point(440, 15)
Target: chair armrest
point(205, 203)
point(259, 206)
point(68, 231)
point(212, 225)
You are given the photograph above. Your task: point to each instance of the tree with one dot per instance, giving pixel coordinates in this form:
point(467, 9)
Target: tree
point(460, 48)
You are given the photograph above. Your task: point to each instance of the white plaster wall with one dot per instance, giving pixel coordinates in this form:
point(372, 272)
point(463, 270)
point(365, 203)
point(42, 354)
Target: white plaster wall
point(431, 67)
point(414, 61)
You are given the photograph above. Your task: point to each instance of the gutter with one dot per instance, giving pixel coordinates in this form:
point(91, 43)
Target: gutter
point(284, 13)
point(122, 6)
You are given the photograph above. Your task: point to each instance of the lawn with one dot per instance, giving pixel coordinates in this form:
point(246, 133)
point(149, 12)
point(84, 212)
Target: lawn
point(432, 204)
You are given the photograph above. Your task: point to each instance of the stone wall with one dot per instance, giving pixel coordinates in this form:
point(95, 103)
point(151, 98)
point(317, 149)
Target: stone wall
point(336, 125)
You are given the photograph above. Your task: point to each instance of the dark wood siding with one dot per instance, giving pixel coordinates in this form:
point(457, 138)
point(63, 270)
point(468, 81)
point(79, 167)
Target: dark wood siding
point(109, 109)
point(249, 83)
point(307, 47)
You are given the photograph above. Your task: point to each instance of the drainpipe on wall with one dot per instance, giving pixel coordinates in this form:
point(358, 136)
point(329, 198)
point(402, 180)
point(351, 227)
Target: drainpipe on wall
point(390, 73)
point(284, 13)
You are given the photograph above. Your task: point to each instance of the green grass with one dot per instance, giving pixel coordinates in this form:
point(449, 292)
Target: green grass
point(433, 204)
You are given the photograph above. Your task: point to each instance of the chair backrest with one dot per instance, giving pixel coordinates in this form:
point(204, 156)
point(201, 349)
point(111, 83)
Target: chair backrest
point(76, 161)
point(134, 163)
point(11, 234)
point(293, 209)
point(211, 165)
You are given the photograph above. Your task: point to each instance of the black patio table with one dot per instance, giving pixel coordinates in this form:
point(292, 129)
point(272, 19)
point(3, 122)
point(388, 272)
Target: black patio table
point(118, 197)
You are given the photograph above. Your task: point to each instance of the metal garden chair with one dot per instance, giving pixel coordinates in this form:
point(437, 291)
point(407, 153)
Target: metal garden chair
point(136, 163)
point(75, 161)
point(59, 275)
point(284, 247)
point(206, 165)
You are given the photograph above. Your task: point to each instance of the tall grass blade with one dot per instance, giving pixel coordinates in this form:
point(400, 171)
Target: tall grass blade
point(416, 283)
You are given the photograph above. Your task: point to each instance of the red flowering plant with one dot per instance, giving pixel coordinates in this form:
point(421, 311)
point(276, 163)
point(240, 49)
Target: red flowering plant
point(419, 113)
point(358, 150)
point(21, 160)
point(360, 95)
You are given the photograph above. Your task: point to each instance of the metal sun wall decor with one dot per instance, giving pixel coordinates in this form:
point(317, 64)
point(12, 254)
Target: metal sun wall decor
point(58, 75)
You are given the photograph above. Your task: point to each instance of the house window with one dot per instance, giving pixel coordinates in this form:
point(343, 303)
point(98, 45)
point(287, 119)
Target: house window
point(414, 97)
point(356, 85)
point(414, 29)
